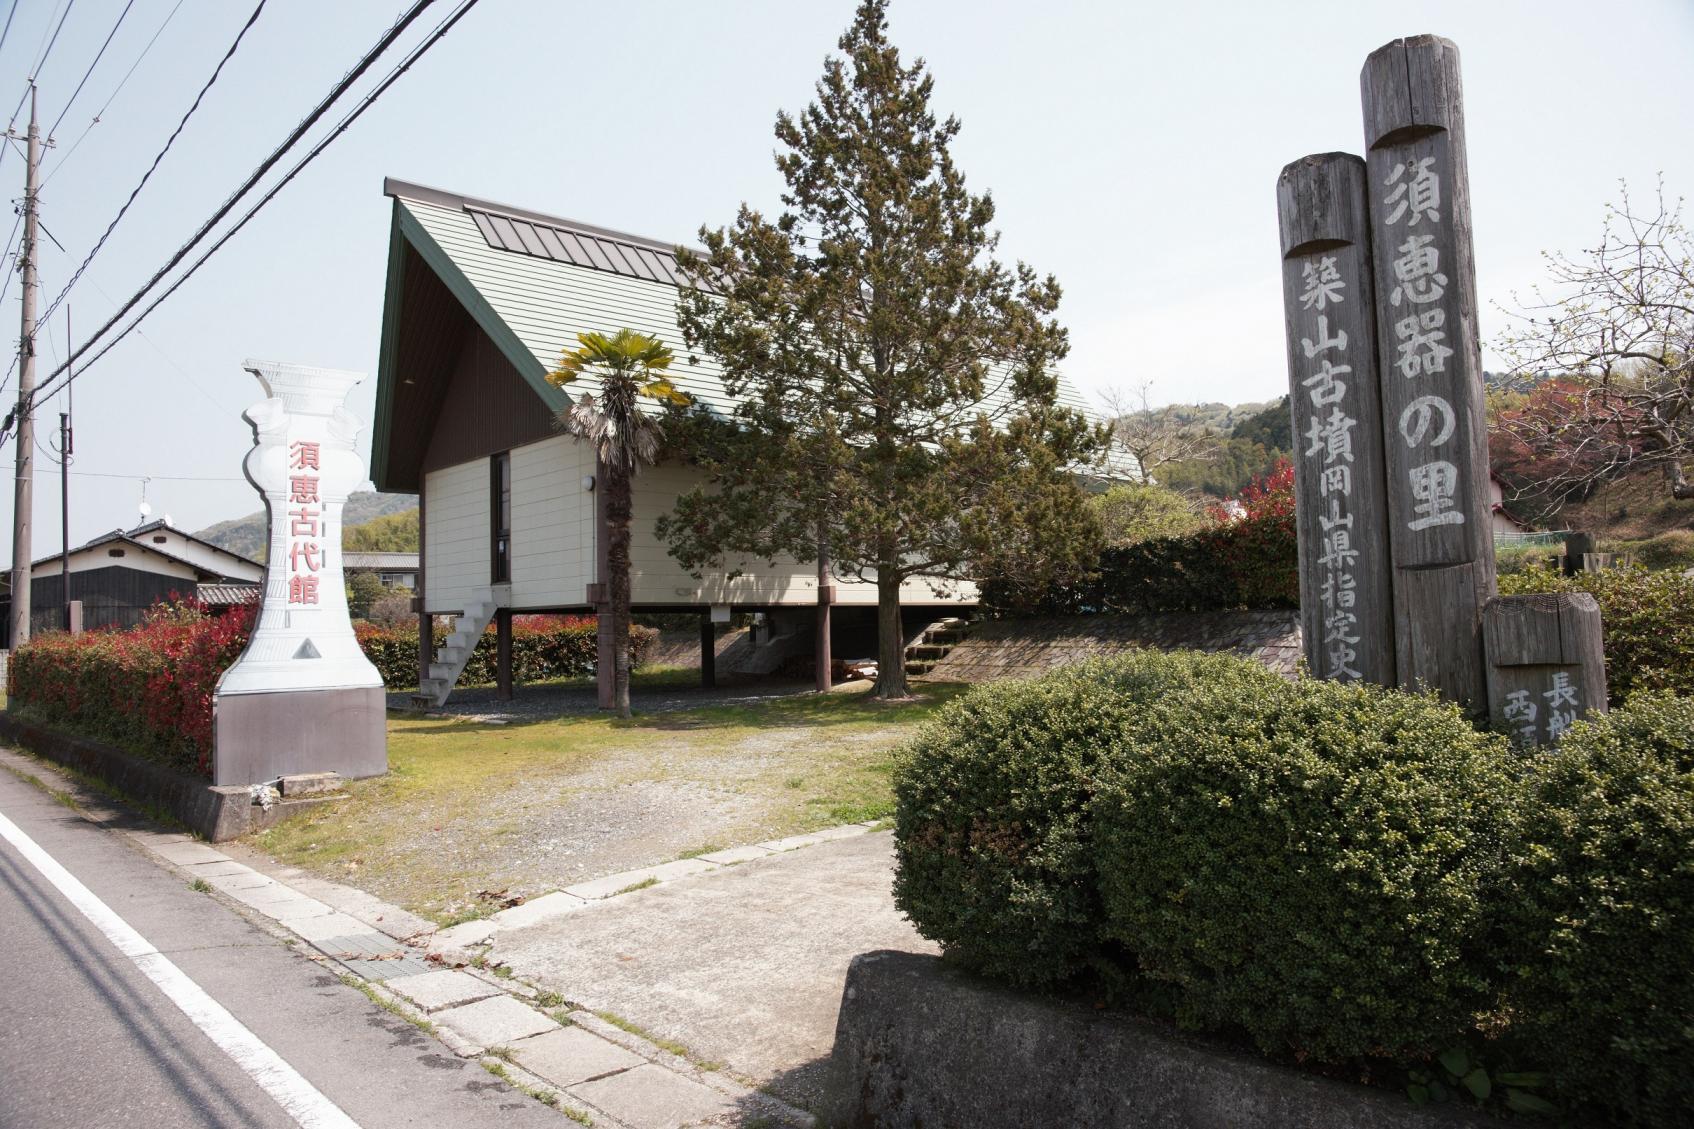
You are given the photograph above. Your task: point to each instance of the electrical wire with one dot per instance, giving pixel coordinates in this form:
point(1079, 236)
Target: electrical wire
point(151, 169)
point(41, 60)
point(7, 30)
point(370, 99)
point(41, 57)
point(153, 477)
point(98, 55)
point(110, 98)
point(269, 162)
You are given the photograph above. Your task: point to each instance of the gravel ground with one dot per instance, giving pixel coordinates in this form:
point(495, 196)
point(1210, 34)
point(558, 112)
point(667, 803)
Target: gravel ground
point(592, 798)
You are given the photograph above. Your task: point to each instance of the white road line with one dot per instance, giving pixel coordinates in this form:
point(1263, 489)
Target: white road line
point(303, 1101)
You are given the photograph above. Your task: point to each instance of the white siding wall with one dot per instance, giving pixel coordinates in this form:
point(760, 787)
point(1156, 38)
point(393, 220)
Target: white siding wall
point(658, 579)
point(456, 534)
point(553, 552)
point(100, 557)
point(205, 556)
point(552, 524)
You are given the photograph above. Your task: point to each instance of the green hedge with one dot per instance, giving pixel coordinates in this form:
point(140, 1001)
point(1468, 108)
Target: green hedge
point(1311, 865)
point(995, 853)
point(1235, 563)
point(543, 647)
point(1647, 619)
point(1351, 876)
point(1603, 920)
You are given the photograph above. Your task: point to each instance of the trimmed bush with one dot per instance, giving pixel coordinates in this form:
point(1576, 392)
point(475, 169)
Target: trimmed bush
point(543, 647)
point(1648, 620)
point(995, 853)
point(148, 689)
point(1603, 923)
point(1348, 875)
point(1237, 562)
point(1312, 865)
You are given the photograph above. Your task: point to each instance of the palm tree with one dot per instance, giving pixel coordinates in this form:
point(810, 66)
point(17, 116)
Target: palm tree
point(628, 365)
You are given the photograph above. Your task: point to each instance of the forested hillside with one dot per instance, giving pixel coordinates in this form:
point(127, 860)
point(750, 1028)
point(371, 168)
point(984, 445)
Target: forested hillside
point(247, 535)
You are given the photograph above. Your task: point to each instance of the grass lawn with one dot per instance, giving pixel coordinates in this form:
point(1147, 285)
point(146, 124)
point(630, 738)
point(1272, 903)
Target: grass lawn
point(470, 808)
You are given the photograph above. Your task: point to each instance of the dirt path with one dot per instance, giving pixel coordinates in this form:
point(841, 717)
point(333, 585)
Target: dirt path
point(528, 808)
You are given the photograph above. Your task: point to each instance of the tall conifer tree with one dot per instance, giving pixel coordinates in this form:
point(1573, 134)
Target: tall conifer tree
point(897, 406)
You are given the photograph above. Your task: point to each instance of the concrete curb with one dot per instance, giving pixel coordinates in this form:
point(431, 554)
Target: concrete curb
point(214, 813)
point(900, 1062)
point(353, 934)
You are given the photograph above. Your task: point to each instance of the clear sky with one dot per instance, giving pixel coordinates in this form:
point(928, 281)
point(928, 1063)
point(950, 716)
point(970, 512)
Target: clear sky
point(1132, 149)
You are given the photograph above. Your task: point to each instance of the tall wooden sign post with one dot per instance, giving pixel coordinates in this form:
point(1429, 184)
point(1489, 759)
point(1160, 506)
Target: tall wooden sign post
point(1431, 362)
point(1345, 597)
point(1385, 383)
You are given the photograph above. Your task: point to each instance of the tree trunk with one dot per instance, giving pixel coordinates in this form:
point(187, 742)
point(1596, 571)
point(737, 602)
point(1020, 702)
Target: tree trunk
point(1680, 488)
point(618, 514)
point(890, 636)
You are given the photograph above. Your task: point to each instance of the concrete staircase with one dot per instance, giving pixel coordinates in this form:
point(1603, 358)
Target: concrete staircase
point(934, 642)
point(450, 660)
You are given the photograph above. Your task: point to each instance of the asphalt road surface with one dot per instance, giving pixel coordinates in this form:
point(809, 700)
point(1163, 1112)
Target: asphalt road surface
point(93, 1026)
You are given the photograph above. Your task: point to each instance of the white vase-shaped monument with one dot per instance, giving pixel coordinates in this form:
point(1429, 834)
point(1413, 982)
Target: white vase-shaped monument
point(302, 698)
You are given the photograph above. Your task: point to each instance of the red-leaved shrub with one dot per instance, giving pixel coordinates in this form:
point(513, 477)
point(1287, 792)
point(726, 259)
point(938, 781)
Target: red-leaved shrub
point(543, 647)
point(148, 689)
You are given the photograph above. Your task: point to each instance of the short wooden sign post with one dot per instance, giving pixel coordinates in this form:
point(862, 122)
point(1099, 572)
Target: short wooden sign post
point(1546, 667)
point(1345, 598)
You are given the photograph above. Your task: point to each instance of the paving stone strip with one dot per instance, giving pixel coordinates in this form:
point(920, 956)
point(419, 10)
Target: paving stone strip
point(620, 1079)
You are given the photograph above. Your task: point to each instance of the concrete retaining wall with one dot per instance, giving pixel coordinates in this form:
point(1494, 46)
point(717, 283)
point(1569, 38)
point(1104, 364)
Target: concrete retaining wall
point(1025, 648)
point(215, 814)
point(920, 1045)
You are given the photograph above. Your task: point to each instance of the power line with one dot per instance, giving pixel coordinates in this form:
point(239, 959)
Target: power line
point(40, 61)
point(228, 205)
point(41, 57)
point(7, 30)
point(98, 55)
point(6, 284)
point(148, 175)
point(154, 477)
point(113, 96)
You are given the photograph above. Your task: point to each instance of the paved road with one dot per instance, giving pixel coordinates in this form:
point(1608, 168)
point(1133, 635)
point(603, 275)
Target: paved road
point(89, 1037)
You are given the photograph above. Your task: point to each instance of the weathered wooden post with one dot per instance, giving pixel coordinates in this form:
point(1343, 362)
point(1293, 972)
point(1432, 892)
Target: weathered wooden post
point(1546, 667)
point(1577, 546)
point(1345, 598)
point(1431, 364)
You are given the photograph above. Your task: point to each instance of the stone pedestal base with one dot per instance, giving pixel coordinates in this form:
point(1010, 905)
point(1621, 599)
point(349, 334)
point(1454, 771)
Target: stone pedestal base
point(259, 737)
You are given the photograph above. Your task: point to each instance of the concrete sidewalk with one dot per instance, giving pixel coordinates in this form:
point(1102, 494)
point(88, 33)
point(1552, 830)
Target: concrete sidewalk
point(698, 993)
point(742, 967)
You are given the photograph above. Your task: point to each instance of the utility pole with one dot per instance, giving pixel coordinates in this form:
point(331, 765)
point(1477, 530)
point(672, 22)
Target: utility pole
point(65, 484)
point(65, 513)
point(23, 496)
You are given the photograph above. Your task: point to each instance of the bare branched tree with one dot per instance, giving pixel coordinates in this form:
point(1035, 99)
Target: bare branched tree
point(1607, 354)
point(1155, 436)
